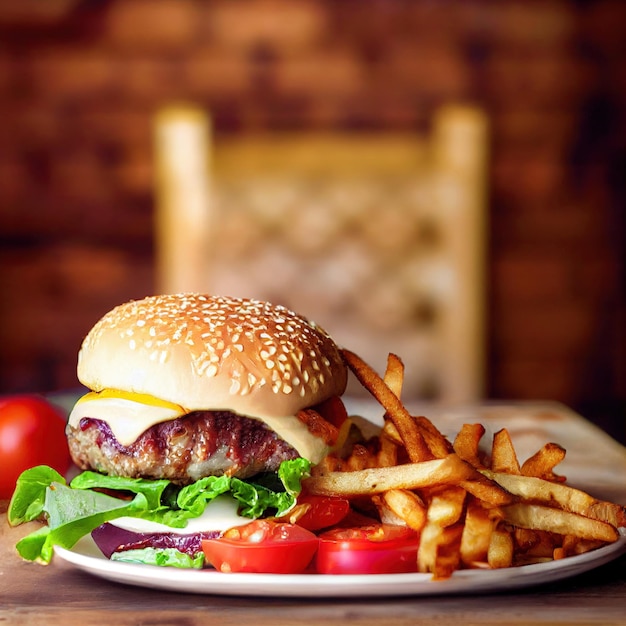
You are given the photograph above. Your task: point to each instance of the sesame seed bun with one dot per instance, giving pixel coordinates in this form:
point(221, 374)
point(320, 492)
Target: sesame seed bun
point(207, 352)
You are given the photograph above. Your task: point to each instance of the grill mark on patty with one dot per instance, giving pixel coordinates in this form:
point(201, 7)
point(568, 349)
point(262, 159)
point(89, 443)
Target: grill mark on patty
point(201, 443)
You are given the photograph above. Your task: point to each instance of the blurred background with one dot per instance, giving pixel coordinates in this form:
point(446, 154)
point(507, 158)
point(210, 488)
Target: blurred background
point(330, 164)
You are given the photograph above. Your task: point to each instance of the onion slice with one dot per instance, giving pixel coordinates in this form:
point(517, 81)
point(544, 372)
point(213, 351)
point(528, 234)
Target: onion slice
point(110, 539)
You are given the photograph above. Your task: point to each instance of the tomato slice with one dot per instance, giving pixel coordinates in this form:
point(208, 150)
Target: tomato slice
point(262, 546)
point(323, 511)
point(374, 549)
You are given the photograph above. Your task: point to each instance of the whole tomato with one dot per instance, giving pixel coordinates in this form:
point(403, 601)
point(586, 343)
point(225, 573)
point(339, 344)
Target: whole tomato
point(32, 432)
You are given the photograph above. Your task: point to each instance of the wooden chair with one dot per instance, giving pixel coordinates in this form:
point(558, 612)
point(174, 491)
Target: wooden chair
point(379, 238)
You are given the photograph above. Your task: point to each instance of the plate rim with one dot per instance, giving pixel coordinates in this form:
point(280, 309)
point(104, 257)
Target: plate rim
point(84, 556)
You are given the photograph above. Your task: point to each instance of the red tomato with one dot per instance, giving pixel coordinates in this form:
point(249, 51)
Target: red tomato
point(32, 432)
point(375, 549)
point(262, 546)
point(323, 511)
point(333, 411)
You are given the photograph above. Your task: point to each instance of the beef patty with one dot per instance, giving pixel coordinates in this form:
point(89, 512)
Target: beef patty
point(201, 443)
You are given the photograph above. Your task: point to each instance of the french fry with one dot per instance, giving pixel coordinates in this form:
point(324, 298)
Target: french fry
point(448, 557)
point(488, 491)
point(390, 430)
point(450, 470)
point(535, 546)
point(394, 374)
point(407, 506)
point(439, 551)
point(479, 525)
point(543, 462)
point(576, 545)
point(446, 506)
point(472, 509)
point(438, 445)
point(568, 498)
point(573, 545)
point(501, 549)
point(553, 520)
point(417, 449)
point(440, 543)
point(525, 539)
point(360, 458)
point(466, 444)
point(430, 539)
point(388, 453)
point(389, 437)
point(385, 514)
point(503, 456)
point(411, 435)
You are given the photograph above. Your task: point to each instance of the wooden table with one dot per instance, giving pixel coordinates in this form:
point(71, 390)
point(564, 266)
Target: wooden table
point(33, 594)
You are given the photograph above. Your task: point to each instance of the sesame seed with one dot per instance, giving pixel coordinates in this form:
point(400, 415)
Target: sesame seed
point(252, 336)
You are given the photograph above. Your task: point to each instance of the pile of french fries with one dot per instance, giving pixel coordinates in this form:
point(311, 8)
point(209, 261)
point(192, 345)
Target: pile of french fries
point(473, 509)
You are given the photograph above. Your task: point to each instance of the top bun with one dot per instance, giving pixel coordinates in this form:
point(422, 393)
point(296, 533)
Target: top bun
point(209, 352)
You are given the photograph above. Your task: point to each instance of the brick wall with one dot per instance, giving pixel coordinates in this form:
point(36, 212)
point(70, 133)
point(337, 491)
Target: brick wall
point(78, 88)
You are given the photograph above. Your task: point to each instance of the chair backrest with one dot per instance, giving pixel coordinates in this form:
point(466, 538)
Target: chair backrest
point(380, 238)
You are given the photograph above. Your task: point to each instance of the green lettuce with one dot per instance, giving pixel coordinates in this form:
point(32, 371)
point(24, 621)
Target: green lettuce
point(73, 511)
point(153, 490)
point(27, 503)
point(71, 514)
point(165, 557)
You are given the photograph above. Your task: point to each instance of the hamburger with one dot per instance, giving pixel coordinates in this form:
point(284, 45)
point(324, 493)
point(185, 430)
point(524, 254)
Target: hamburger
point(188, 386)
point(202, 412)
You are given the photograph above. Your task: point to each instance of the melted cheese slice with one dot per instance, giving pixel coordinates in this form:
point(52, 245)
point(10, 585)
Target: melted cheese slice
point(130, 414)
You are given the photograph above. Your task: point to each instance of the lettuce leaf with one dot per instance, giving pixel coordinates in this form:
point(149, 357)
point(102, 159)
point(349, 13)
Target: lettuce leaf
point(75, 510)
point(194, 498)
point(151, 489)
point(27, 502)
point(164, 557)
point(72, 514)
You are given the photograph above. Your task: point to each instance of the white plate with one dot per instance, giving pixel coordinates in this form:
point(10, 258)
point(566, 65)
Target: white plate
point(86, 556)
